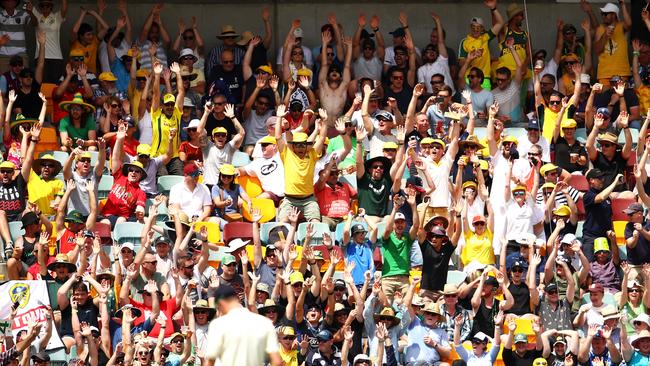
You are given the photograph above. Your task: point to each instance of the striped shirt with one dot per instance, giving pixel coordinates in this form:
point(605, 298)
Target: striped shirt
point(214, 58)
point(14, 27)
point(145, 58)
point(560, 198)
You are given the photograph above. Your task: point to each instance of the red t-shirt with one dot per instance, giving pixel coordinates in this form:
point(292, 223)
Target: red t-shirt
point(192, 153)
point(335, 201)
point(67, 241)
point(130, 145)
point(167, 310)
point(124, 197)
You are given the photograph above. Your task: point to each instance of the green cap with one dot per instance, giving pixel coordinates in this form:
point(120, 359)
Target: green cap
point(76, 216)
point(521, 337)
point(227, 259)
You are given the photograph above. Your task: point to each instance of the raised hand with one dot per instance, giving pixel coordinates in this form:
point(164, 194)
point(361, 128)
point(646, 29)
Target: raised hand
point(303, 82)
point(361, 20)
point(374, 22)
point(157, 68)
point(274, 81)
point(326, 37)
point(361, 133)
point(229, 111)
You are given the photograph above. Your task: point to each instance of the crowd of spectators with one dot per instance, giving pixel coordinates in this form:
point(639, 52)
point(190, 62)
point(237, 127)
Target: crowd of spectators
point(360, 201)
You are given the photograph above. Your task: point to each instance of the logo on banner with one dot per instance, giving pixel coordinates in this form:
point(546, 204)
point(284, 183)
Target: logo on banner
point(19, 293)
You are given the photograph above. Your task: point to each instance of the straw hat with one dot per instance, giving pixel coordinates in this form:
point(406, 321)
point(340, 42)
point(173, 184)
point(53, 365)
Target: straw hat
point(62, 258)
point(203, 305)
point(136, 164)
point(608, 137)
point(228, 31)
point(47, 157)
point(471, 140)
point(78, 101)
point(20, 119)
point(387, 312)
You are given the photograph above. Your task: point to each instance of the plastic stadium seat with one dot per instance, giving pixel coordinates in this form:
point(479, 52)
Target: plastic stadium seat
point(214, 232)
point(480, 132)
point(319, 229)
point(456, 277)
point(518, 132)
point(265, 205)
point(581, 135)
point(240, 159)
point(49, 141)
point(619, 229)
point(266, 228)
point(163, 214)
point(635, 137)
point(166, 182)
point(251, 185)
point(618, 205)
point(241, 230)
point(579, 182)
point(351, 179)
point(16, 230)
point(579, 229)
point(128, 231)
point(104, 186)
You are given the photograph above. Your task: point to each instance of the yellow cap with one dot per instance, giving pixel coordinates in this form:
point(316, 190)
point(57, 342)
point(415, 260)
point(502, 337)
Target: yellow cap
point(267, 140)
point(107, 76)
point(426, 141)
point(227, 169)
point(601, 244)
point(266, 68)
point(169, 98)
point(439, 142)
point(510, 138)
point(519, 188)
point(483, 164)
point(304, 72)
point(76, 52)
point(548, 167)
point(85, 155)
point(287, 330)
point(296, 277)
point(7, 165)
point(144, 149)
point(389, 145)
point(299, 137)
point(562, 210)
point(142, 73)
point(469, 184)
point(548, 185)
point(219, 130)
point(569, 123)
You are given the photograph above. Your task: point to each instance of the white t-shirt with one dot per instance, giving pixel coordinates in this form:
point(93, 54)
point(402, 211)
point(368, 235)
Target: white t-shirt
point(146, 128)
point(214, 158)
point(525, 144)
point(307, 58)
point(241, 338)
point(520, 219)
point(440, 176)
point(191, 202)
point(371, 69)
point(270, 172)
point(51, 25)
point(439, 66)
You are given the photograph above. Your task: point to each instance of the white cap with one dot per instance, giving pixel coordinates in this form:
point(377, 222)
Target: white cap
point(187, 102)
point(297, 32)
point(477, 20)
point(585, 78)
point(609, 8)
point(568, 238)
point(129, 245)
point(474, 266)
point(643, 317)
point(187, 52)
point(193, 124)
point(399, 216)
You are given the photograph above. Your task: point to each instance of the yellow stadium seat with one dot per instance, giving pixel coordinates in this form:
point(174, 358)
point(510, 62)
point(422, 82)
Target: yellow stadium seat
point(251, 185)
point(265, 205)
point(214, 233)
point(619, 229)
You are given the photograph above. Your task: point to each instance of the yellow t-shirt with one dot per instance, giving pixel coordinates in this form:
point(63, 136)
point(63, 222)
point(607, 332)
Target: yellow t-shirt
point(505, 58)
point(42, 192)
point(134, 98)
point(90, 53)
point(290, 358)
point(469, 44)
point(161, 126)
point(550, 118)
point(613, 60)
point(299, 173)
point(643, 93)
point(478, 248)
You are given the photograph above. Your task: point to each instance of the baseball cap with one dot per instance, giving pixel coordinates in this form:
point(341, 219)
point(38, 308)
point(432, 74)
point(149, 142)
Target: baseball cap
point(415, 182)
point(41, 356)
point(478, 218)
point(128, 245)
point(594, 173)
point(263, 287)
point(361, 357)
point(632, 208)
point(144, 149)
point(227, 259)
point(339, 283)
point(298, 33)
point(609, 8)
point(551, 287)
point(399, 216)
point(533, 124)
point(169, 98)
point(296, 277)
point(604, 111)
point(358, 228)
point(324, 335)
point(191, 170)
point(399, 32)
point(477, 20)
point(107, 76)
point(162, 240)
point(568, 238)
point(521, 337)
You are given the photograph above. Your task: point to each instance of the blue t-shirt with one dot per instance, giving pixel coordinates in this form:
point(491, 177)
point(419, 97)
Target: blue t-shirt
point(122, 74)
point(361, 255)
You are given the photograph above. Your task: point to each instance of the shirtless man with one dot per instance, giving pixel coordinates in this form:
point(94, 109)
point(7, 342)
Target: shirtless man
point(332, 85)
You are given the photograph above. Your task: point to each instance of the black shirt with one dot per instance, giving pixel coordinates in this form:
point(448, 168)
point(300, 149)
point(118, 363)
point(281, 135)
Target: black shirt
point(603, 99)
point(30, 103)
point(563, 153)
point(86, 312)
point(521, 295)
point(484, 318)
point(611, 168)
point(640, 254)
point(226, 123)
point(435, 265)
point(403, 97)
point(511, 358)
point(598, 215)
point(228, 83)
point(13, 197)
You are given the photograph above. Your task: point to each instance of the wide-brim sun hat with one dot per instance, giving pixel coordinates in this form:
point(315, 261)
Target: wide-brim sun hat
point(37, 165)
point(77, 100)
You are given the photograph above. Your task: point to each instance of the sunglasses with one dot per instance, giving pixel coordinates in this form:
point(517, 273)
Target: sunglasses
point(191, 129)
point(152, 262)
point(188, 38)
point(200, 311)
point(115, 105)
point(552, 292)
point(300, 144)
point(134, 170)
point(385, 319)
point(85, 160)
point(125, 251)
point(518, 270)
point(435, 82)
point(554, 102)
point(231, 265)
point(265, 144)
point(220, 135)
point(480, 223)
point(451, 296)
point(77, 58)
point(185, 78)
point(606, 145)
point(391, 150)
point(219, 103)
point(636, 290)
point(6, 171)
point(141, 79)
point(227, 62)
point(378, 167)
point(288, 338)
point(519, 193)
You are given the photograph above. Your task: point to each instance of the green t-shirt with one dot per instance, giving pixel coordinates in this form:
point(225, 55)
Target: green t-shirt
point(397, 255)
point(77, 133)
point(336, 143)
point(374, 195)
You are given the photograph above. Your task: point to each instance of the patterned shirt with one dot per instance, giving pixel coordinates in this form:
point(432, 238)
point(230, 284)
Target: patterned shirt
point(449, 326)
point(14, 27)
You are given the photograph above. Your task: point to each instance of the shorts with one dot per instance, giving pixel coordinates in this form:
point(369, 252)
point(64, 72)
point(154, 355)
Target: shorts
point(308, 206)
point(113, 219)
